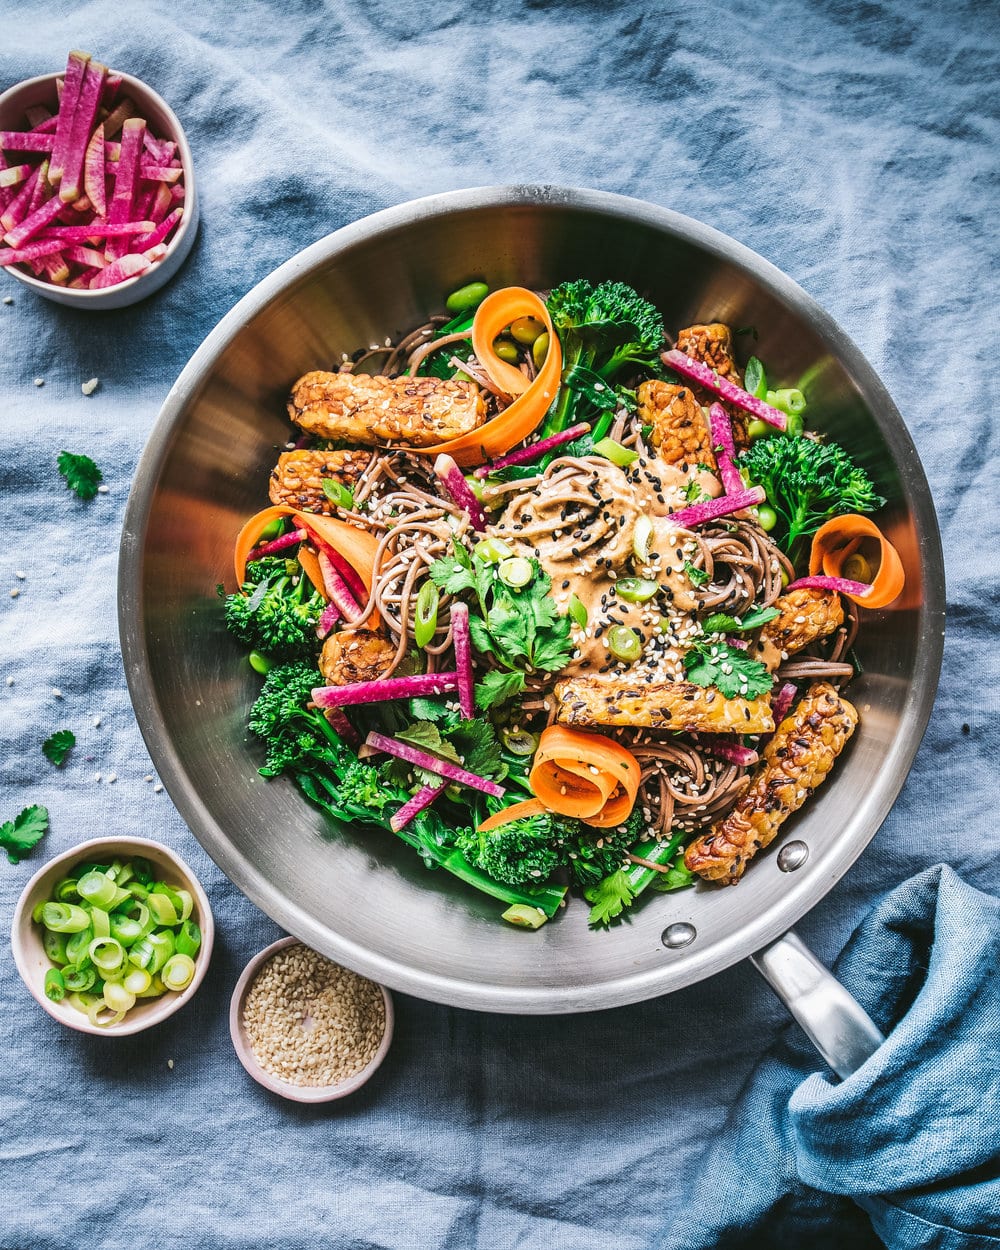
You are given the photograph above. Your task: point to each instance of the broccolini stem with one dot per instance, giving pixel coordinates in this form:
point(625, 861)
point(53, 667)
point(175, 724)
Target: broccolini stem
point(657, 853)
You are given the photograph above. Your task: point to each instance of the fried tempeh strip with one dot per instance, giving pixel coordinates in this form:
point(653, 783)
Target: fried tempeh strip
point(372, 411)
point(677, 705)
point(796, 760)
point(680, 432)
point(806, 615)
point(297, 479)
point(355, 655)
point(712, 344)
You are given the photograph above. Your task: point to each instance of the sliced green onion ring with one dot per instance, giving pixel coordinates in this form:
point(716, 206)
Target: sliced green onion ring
point(77, 945)
point(137, 981)
point(641, 535)
point(65, 917)
point(100, 922)
point(516, 572)
point(97, 888)
point(578, 611)
point(519, 741)
point(492, 550)
point(107, 954)
point(78, 979)
point(615, 452)
point(636, 589)
point(177, 972)
point(65, 891)
point(54, 945)
point(55, 986)
point(624, 644)
point(188, 939)
point(425, 616)
point(162, 909)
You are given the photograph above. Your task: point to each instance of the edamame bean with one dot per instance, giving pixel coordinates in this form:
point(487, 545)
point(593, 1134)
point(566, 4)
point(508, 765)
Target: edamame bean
point(767, 517)
point(506, 350)
point(526, 329)
point(540, 349)
point(259, 663)
point(467, 297)
point(758, 429)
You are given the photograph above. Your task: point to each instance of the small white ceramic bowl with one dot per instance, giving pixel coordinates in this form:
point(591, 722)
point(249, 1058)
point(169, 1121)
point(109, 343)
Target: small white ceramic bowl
point(33, 963)
point(297, 1093)
point(164, 124)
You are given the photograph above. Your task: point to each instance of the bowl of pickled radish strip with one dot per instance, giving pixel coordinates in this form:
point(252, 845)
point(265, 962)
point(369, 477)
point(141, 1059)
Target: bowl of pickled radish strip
point(113, 935)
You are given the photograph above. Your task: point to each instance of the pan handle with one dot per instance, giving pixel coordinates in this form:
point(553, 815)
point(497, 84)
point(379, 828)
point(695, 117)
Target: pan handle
point(836, 1024)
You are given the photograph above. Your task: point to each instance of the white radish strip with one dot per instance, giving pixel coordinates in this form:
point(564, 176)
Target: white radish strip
point(725, 505)
point(337, 590)
point(70, 94)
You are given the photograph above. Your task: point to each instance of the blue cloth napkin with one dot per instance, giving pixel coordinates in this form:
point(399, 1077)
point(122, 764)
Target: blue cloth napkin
point(852, 145)
point(913, 1137)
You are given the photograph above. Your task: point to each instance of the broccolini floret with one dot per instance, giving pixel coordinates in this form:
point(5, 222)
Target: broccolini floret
point(278, 613)
point(296, 737)
point(807, 482)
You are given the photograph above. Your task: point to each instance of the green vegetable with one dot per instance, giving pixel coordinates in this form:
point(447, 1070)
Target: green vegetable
point(636, 589)
point(259, 663)
point(698, 577)
point(540, 349)
point(178, 972)
point(617, 891)
point(278, 612)
point(20, 835)
point(524, 917)
point(55, 986)
point(603, 329)
point(519, 741)
point(425, 617)
point(339, 495)
point(57, 746)
point(790, 401)
point(506, 350)
point(758, 429)
point(722, 623)
point(755, 379)
point(81, 473)
point(516, 572)
point(807, 483)
point(615, 452)
point(526, 329)
point(271, 530)
point(519, 626)
point(767, 517)
point(624, 644)
point(732, 671)
point(578, 611)
point(467, 297)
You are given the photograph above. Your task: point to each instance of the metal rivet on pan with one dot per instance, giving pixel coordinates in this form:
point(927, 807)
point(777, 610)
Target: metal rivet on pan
point(680, 934)
point(793, 855)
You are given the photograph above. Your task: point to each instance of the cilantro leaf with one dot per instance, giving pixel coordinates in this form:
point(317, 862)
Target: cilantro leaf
point(451, 577)
point(477, 744)
point(18, 836)
point(427, 709)
point(57, 746)
point(497, 687)
point(723, 623)
point(698, 576)
point(733, 673)
point(609, 898)
point(81, 473)
point(427, 737)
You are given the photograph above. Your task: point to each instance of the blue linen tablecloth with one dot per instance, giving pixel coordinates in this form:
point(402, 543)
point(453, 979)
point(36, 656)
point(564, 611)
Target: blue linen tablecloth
point(854, 145)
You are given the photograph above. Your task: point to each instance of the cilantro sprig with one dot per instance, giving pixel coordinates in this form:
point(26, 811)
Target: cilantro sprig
point(21, 835)
point(518, 626)
point(81, 473)
point(733, 673)
point(58, 745)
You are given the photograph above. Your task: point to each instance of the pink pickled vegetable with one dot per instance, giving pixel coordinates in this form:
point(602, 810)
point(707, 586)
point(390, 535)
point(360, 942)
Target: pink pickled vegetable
point(331, 615)
point(709, 509)
point(31, 251)
point(725, 450)
point(97, 230)
point(161, 231)
point(6, 193)
point(525, 455)
point(38, 116)
point(56, 270)
point(119, 271)
point(463, 659)
point(83, 125)
point(424, 797)
point(276, 544)
point(75, 67)
point(450, 477)
point(26, 141)
point(782, 702)
point(337, 589)
point(126, 179)
point(160, 173)
point(42, 191)
point(112, 85)
point(93, 173)
point(15, 174)
point(118, 116)
point(385, 689)
point(841, 585)
point(706, 376)
point(162, 200)
point(350, 575)
point(87, 256)
point(154, 254)
point(423, 759)
point(343, 726)
point(17, 209)
point(161, 150)
point(33, 223)
point(722, 747)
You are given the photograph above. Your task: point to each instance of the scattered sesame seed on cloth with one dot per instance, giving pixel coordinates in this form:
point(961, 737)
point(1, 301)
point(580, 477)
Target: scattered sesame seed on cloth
point(311, 1022)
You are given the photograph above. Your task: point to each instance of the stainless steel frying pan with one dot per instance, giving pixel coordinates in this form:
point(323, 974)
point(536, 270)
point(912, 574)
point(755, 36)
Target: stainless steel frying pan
point(365, 899)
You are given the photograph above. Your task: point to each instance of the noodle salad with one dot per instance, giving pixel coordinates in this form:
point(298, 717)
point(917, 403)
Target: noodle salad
point(564, 603)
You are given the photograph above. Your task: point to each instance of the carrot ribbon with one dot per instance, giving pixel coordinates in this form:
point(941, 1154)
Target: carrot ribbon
point(532, 398)
point(836, 541)
point(578, 774)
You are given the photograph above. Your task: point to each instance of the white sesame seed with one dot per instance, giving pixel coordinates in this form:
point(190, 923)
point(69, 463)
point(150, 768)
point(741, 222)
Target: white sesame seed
point(21, 574)
point(8, 299)
point(14, 593)
point(90, 386)
point(157, 788)
point(10, 681)
point(56, 692)
point(39, 381)
point(97, 722)
point(170, 1064)
point(103, 490)
point(97, 776)
point(111, 778)
point(148, 777)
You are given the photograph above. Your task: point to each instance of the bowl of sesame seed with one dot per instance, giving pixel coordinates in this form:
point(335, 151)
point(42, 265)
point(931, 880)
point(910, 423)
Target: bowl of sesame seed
point(306, 1028)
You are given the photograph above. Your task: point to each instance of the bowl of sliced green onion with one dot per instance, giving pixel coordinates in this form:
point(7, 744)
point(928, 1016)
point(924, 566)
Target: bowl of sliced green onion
point(113, 936)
